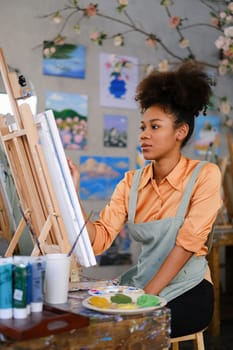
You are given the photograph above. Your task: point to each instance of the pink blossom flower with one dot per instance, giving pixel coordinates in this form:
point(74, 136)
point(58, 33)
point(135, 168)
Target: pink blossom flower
point(123, 2)
point(94, 36)
point(77, 28)
point(46, 52)
point(163, 66)
point(214, 21)
point(219, 43)
point(174, 21)
point(222, 69)
point(69, 120)
point(222, 15)
point(151, 41)
point(229, 122)
point(78, 138)
point(58, 121)
point(229, 53)
point(230, 6)
point(91, 10)
point(167, 3)
point(183, 43)
point(228, 31)
point(108, 65)
point(229, 19)
point(148, 69)
point(57, 17)
point(118, 40)
point(225, 107)
point(59, 40)
point(66, 137)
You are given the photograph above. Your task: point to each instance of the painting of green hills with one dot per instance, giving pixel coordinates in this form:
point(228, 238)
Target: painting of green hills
point(70, 111)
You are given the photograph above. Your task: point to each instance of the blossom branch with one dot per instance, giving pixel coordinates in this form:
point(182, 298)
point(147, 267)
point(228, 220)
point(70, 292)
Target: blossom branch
point(220, 20)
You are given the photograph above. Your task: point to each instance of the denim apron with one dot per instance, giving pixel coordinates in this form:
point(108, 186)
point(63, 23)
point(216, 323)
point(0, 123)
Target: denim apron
point(157, 238)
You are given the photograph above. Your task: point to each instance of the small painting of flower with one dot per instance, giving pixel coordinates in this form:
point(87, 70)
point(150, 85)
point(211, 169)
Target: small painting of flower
point(118, 80)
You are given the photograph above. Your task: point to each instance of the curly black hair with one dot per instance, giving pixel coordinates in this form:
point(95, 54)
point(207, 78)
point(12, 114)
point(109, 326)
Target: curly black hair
point(184, 92)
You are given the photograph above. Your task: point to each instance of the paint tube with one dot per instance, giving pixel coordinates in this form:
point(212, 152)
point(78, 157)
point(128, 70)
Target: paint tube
point(27, 261)
point(6, 268)
point(20, 288)
point(38, 271)
point(29, 287)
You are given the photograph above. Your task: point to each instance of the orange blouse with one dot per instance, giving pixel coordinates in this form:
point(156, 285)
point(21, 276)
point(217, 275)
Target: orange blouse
point(161, 201)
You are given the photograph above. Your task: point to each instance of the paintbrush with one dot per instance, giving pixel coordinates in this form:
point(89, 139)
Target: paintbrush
point(80, 232)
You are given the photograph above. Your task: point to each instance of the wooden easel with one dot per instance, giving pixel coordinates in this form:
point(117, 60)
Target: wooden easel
point(33, 183)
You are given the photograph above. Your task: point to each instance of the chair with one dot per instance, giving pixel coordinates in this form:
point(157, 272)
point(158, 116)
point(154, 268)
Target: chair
point(197, 338)
point(223, 236)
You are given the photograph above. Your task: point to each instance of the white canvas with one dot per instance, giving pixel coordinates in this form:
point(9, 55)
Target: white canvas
point(64, 187)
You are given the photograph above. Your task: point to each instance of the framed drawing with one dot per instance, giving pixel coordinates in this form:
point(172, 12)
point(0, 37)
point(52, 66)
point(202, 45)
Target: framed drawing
point(70, 112)
point(207, 135)
point(65, 60)
point(100, 175)
point(118, 81)
point(115, 131)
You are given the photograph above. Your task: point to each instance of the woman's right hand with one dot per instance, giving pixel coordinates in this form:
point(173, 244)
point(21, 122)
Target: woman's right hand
point(74, 173)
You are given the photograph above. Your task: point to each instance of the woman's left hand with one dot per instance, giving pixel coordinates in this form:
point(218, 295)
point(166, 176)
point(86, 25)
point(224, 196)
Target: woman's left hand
point(74, 173)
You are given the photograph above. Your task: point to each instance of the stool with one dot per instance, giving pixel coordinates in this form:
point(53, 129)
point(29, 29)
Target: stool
point(197, 338)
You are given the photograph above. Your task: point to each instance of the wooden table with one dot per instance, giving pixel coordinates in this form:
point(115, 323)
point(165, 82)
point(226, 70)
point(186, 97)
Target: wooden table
point(145, 331)
point(222, 238)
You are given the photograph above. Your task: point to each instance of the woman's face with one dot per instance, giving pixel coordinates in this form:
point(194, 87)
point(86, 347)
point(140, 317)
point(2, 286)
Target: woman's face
point(159, 138)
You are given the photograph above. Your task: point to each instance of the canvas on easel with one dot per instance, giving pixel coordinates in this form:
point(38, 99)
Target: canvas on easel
point(41, 211)
point(66, 195)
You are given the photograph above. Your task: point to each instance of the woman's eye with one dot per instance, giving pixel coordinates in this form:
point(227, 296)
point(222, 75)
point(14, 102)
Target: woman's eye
point(154, 126)
point(142, 128)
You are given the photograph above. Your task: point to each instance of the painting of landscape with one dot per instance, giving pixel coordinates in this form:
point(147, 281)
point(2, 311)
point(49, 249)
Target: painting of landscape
point(100, 175)
point(65, 60)
point(115, 130)
point(70, 111)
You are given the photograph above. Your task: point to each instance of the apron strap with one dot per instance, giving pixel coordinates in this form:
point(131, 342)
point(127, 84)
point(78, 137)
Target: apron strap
point(187, 194)
point(184, 201)
point(134, 195)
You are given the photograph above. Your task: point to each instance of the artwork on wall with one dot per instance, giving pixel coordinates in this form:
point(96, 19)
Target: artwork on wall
point(70, 111)
point(115, 130)
point(118, 80)
point(207, 135)
point(140, 160)
point(65, 60)
point(120, 251)
point(100, 175)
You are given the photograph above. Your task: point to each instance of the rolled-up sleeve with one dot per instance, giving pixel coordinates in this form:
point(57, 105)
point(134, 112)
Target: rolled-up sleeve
point(205, 202)
point(112, 217)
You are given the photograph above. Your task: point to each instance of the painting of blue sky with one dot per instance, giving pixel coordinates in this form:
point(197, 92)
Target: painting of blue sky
point(100, 175)
point(66, 60)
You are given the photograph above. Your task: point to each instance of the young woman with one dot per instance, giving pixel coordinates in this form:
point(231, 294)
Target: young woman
point(171, 204)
